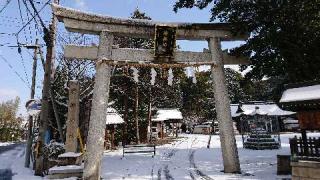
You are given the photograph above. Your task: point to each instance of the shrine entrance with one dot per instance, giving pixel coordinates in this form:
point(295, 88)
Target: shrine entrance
point(164, 54)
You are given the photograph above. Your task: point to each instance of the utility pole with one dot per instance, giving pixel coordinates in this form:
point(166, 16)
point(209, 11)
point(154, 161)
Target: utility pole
point(54, 106)
point(33, 85)
point(49, 38)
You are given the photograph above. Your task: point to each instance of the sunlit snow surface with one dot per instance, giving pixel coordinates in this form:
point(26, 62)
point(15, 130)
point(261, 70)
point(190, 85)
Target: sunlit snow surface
point(186, 158)
point(189, 158)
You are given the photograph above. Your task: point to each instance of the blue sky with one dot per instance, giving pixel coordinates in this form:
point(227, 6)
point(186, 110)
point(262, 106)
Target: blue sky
point(10, 22)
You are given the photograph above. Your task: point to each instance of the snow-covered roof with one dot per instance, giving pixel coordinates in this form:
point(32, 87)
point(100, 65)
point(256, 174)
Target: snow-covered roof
point(290, 121)
point(113, 117)
point(301, 94)
point(234, 109)
point(167, 114)
point(270, 109)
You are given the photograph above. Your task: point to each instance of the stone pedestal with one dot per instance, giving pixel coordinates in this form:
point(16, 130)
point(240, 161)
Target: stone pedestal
point(69, 165)
point(73, 117)
point(305, 170)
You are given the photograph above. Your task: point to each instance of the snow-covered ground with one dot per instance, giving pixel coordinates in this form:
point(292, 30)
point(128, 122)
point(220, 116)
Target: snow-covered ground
point(189, 158)
point(5, 143)
point(14, 159)
point(185, 158)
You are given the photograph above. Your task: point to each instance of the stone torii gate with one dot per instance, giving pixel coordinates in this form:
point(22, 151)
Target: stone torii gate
point(105, 55)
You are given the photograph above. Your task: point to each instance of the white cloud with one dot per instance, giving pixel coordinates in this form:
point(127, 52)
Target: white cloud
point(80, 4)
point(8, 94)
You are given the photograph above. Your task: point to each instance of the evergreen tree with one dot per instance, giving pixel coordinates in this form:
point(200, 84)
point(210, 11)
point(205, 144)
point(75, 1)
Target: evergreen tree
point(10, 125)
point(284, 39)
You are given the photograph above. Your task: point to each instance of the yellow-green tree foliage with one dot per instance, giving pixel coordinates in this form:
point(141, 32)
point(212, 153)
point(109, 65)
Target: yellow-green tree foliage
point(10, 125)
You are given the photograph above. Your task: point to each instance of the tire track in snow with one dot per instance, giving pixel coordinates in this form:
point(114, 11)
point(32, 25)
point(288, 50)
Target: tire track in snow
point(193, 165)
point(168, 156)
point(167, 174)
point(189, 148)
point(191, 175)
point(195, 168)
point(159, 173)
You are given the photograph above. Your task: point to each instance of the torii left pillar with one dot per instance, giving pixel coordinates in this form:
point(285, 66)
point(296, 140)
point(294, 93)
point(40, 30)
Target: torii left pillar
point(97, 124)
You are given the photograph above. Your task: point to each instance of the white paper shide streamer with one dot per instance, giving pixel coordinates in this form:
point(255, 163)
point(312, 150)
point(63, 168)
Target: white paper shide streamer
point(170, 77)
point(135, 74)
point(153, 76)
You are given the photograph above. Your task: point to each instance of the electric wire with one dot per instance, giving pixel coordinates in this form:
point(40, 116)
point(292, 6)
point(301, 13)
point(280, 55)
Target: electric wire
point(4, 7)
point(24, 68)
point(29, 25)
point(22, 20)
point(35, 10)
point(33, 17)
point(11, 67)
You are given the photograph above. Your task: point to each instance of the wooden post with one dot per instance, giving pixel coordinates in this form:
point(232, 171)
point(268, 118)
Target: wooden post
point(304, 141)
point(73, 117)
point(149, 133)
point(34, 70)
point(125, 118)
point(125, 113)
point(227, 139)
point(161, 129)
point(112, 136)
point(30, 124)
point(176, 130)
point(56, 115)
point(95, 139)
point(136, 115)
point(44, 116)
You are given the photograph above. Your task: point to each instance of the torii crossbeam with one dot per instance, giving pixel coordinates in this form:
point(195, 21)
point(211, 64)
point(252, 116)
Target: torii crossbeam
point(105, 56)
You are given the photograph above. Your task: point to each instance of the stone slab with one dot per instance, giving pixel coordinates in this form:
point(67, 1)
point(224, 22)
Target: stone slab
point(306, 169)
point(66, 169)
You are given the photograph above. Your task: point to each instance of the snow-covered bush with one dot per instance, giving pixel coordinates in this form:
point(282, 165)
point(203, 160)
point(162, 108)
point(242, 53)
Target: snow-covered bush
point(54, 149)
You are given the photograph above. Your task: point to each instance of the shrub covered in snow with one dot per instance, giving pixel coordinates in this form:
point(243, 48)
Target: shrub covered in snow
point(54, 149)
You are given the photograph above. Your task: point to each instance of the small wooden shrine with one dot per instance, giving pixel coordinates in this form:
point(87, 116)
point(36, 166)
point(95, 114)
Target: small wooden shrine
point(167, 117)
point(112, 120)
point(304, 98)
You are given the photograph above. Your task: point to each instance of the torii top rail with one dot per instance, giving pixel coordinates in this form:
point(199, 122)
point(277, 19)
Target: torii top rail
point(77, 21)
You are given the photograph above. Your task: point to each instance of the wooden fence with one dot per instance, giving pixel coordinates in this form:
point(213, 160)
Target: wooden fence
point(305, 150)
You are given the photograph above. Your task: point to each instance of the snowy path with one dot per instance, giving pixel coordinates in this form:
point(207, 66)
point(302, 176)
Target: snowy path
point(12, 158)
point(188, 158)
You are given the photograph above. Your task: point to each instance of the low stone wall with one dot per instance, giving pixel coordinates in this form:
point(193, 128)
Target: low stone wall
point(305, 170)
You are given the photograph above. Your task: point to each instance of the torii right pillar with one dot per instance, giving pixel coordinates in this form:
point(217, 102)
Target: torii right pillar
point(222, 101)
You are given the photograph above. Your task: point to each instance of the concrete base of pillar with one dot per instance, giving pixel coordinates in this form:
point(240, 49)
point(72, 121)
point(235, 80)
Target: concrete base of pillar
point(305, 170)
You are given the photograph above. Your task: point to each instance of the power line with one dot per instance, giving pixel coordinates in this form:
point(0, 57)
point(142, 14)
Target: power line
point(35, 11)
point(27, 12)
point(24, 67)
point(11, 67)
point(22, 20)
point(33, 17)
point(7, 3)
